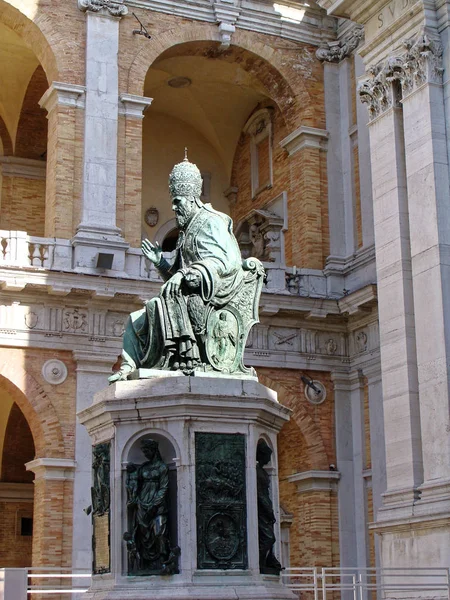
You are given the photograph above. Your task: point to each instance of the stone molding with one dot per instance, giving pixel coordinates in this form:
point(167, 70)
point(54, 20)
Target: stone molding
point(335, 52)
point(16, 492)
point(26, 168)
point(113, 8)
point(63, 94)
point(133, 106)
point(421, 63)
point(55, 469)
point(305, 137)
point(315, 481)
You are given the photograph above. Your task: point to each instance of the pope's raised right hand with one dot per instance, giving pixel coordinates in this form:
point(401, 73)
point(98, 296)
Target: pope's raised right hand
point(152, 251)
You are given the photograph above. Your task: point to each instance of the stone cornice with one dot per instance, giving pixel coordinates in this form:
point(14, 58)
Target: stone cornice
point(16, 492)
point(133, 106)
point(12, 166)
point(65, 94)
point(60, 469)
point(305, 137)
point(421, 63)
point(113, 8)
point(336, 51)
point(315, 481)
point(261, 17)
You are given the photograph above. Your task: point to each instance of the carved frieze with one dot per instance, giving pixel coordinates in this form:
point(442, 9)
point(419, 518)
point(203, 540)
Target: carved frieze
point(115, 8)
point(336, 51)
point(400, 75)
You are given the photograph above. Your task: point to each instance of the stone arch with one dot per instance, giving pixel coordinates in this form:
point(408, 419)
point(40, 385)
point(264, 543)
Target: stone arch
point(31, 29)
point(5, 139)
point(309, 430)
point(37, 408)
point(296, 105)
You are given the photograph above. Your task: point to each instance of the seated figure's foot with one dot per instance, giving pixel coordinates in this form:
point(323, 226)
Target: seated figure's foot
point(120, 375)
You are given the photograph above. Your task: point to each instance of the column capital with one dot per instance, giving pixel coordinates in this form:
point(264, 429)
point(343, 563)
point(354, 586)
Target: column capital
point(133, 106)
point(55, 469)
point(305, 137)
point(335, 52)
point(420, 63)
point(63, 94)
point(112, 8)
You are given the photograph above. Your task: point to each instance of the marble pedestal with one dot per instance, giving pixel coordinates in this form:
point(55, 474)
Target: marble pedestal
point(172, 410)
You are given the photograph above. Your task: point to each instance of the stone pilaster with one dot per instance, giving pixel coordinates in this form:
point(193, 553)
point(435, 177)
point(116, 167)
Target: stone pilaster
point(98, 231)
point(92, 373)
point(395, 289)
point(62, 102)
point(129, 198)
point(306, 147)
point(53, 493)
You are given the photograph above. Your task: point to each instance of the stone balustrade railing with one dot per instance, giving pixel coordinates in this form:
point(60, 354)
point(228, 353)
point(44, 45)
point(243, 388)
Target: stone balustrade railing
point(19, 250)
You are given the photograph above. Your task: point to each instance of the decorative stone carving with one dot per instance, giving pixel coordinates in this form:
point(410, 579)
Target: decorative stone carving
point(75, 321)
point(315, 393)
point(268, 563)
point(31, 319)
point(54, 371)
point(331, 347)
point(361, 341)
point(115, 8)
point(400, 75)
point(337, 51)
point(260, 235)
point(151, 216)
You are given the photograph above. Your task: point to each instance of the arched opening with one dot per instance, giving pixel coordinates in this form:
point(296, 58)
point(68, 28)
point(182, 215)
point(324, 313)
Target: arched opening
point(23, 133)
point(202, 100)
point(16, 484)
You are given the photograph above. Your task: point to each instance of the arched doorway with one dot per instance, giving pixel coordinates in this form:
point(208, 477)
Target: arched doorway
point(16, 484)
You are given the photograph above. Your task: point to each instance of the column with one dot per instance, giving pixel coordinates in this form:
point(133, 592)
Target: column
point(129, 202)
point(344, 460)
point(377, 443)
point(305, 146)
point(429, 219)
point(52, 521)
point(92, 373)
point(395, 291)
point(97, 231)
point(62, 102)
point(365, 175)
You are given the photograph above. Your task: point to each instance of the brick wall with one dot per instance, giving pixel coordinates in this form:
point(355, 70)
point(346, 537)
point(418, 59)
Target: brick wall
point(31, 137)
point(23, 205)
point(15, 549)
point(306, 443)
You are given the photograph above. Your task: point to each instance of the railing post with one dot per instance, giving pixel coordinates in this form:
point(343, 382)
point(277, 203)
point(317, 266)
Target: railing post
point(448, 582)
point(324, 585)
point(316, 587)
point(13, 584)
point(355, 595)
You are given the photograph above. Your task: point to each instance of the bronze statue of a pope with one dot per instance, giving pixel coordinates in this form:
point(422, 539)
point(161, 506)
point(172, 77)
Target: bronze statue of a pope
point(209, 299)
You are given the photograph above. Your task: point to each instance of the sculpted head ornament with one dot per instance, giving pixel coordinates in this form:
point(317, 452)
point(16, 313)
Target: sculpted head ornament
point(185, 180)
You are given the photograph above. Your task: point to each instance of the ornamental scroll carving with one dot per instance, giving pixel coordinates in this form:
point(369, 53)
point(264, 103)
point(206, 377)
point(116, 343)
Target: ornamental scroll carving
point(115, 8)
point(336, 51)
point(400, 75)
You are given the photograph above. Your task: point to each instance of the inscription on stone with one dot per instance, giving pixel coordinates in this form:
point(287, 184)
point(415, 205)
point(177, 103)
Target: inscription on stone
point(386, 16)
point(221, 501)
point(101, 543)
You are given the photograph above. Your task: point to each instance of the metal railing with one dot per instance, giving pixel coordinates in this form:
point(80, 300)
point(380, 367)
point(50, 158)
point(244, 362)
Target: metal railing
point(48, 581)
point(362, 584)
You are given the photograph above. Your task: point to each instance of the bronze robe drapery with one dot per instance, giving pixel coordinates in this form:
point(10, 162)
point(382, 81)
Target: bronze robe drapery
point(171, 326)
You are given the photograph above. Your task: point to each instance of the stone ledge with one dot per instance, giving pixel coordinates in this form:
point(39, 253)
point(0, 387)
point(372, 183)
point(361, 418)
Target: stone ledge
point(60, 469)
point(315, 481)
point(16, 492)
